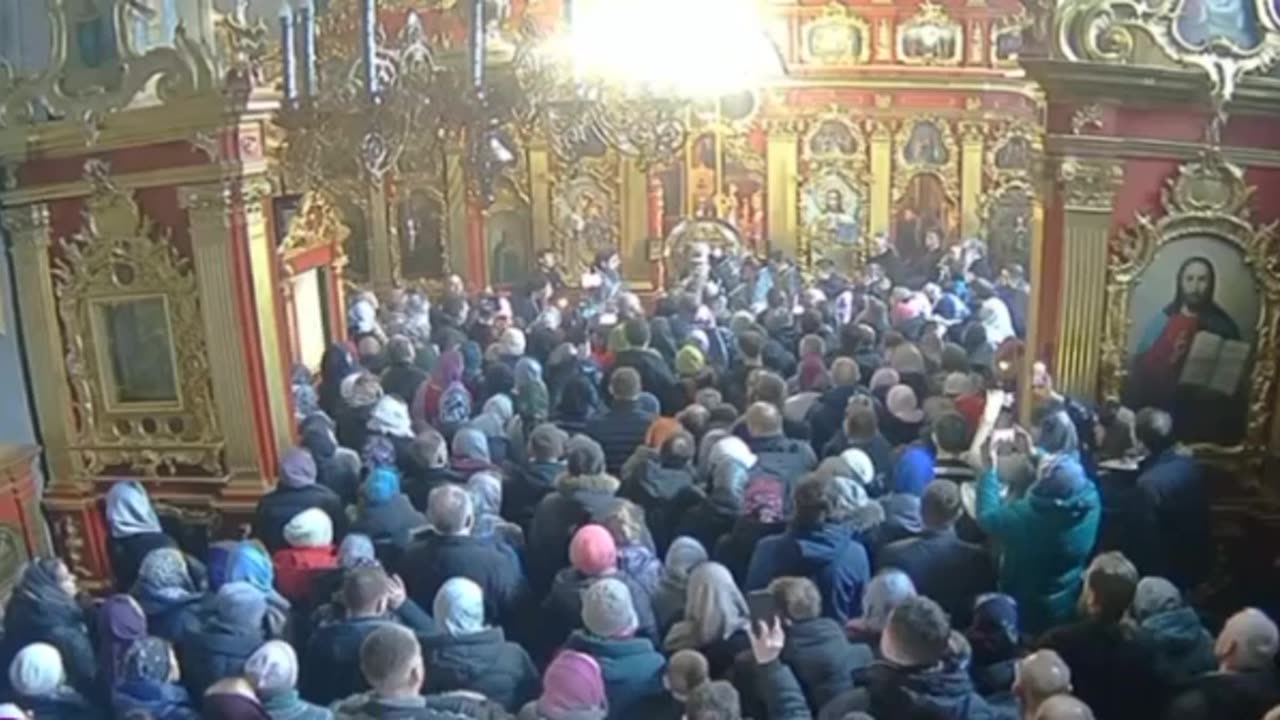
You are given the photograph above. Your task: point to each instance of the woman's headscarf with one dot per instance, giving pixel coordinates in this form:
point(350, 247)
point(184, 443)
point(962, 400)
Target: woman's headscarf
point(240, 606)
point(362, 390)
point(493, 418)
point(148, 660)
point(512, 343)
point(485, 489)
point(297, 469)
point(762, 499)
point(1154, 595)
point(121, 623)
point(311, 528)
point(335, 366)
point(459, 607)
point(448, 368)
point(391, 417)
point(592, 551)
point(470, 443)
point(533, 402)
point(319, 441)
point(714, 609)
point(527, 369)
point(684, 554)
point(164, 575)
point(381, 486)
point(129, 510)
point(305, 399)
point(356, 551)
point(572, 687)
point(37, 671)
point(272, 669)
point(886, 591)
point(709, 442)
point(690, 360)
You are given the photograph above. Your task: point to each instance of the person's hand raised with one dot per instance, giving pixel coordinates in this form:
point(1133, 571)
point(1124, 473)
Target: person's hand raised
point(396, 593)
point(767, 641)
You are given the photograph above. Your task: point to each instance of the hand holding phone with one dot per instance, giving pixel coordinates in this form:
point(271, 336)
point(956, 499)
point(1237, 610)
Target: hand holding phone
point(762, 606)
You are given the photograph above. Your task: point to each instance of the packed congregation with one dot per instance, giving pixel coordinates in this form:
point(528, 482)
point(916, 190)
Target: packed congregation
point(763, 493)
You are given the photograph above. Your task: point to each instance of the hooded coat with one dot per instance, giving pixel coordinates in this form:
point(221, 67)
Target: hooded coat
point(527, 485)
point(1179, 645)
point(433, 560)
point(578, 500)
point(1046, 538)
point(659, 490)
point(827, 554)
point(938, 693)
point(632, 670)
point(482, 662)
point(297, 491)
point(823, 659)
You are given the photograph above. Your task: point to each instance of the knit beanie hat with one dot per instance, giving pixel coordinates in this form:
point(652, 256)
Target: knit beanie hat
point(607, 610)
point(690, 360)
point(592, 550)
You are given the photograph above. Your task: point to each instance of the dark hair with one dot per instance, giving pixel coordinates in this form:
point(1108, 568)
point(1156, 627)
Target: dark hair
point(363, 587)
point(400, 350)
point(577, 398)
point(797, 597)
point(386, 652)
point(920, 629)
point(723, 415)
point(1154, 429)
point(677, 450)
point(498, 380)
point(584, 456)
point(1176, 305)
point(714, 701)
point(687, 671)
point(816, 497)
point(770, 388)
point(861, 421)
point(1112, 581)
point(751, 344)
point(636, 331)
point(952, 433)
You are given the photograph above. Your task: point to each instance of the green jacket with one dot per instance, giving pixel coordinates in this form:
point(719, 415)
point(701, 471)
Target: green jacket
point(1045, 542)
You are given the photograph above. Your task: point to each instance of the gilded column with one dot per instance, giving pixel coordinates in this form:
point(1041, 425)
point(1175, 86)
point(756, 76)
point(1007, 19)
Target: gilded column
point(540, 195)
point(381, 273)
point(634, 249)
point(881, 177)
point(456, 204)
point(971, 159)
point(782, 192)
point(1087, 191)
point(31, 233)
point(209, 210)
point(255, 193)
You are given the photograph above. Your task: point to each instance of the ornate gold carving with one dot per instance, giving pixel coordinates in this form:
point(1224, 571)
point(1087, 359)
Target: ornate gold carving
point(930, 37)
point(585, 201)
point(1086, 117)
point(1015, 154)
point(74, 87)
point(914, 155)
point(836, 38)
point(1206, 199)
point(1006, 38)
point(121, 255)
point(884, 40)
point(71, 537)
point(1117, 31)
point(835, 151)
point(316, 223)
point(1090, 184)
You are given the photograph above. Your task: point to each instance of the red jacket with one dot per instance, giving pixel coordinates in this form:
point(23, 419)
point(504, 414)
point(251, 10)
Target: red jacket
point(297, 568)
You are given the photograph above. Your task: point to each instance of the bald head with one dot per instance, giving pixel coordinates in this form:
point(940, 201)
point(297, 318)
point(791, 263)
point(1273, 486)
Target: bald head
point(1040, 676)
point(1248, 641)
point(763, 420)
point(1063, 707)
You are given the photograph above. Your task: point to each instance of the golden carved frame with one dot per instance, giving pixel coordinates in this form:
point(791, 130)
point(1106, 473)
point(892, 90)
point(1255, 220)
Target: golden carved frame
point(930, 14)
point(851, 167)
point(1208, 197)
point(841, 18)
point(905, 170)
point(601, 174)
point(1008, 25)
point(87, 271)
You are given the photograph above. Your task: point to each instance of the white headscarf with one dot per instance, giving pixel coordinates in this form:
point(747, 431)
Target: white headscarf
point(129, 510)
point(310, 528)
point(731, 448)
point(272, 668)
point(512, 342)
point(864, 471)
point(37, 671)
point(391, 417)
point(493, 418)
point(459, 607)
point(714, 609)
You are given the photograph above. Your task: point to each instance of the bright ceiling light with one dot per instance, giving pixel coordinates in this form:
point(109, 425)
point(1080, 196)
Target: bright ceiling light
point(689, 48)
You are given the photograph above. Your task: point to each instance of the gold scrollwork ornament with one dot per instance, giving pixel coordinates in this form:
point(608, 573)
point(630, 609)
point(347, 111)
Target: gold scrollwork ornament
point(1208, 198)
point(922, 151)
point(836, 38)
point(930, 37)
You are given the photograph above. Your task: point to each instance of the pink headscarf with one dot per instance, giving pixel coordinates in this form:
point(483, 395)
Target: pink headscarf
point(592, 551)
point(572, 683)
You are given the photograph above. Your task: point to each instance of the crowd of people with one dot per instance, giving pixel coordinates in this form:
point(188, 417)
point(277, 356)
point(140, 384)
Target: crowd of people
point(806, 500)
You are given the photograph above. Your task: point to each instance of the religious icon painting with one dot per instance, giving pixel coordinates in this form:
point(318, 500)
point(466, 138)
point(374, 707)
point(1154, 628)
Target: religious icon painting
point(420, 234)
point(1006, 41)
point(1009, 219)
point(1193, 314)
point(584, 209)
point(836, 38)
point(509, 239)
point(1014, 154)
point(833, 209)
point(1203, 24)
point(931, 37)
point(926, 145)
point(831, 138)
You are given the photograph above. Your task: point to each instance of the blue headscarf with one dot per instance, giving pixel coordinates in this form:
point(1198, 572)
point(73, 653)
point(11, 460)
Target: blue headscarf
point(383, 485)
point(913, 472)
point(250, 563)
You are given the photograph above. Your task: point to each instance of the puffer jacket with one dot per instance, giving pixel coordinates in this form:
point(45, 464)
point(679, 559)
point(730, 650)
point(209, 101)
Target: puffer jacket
point(484, 663)
point(578, 500)
point(827, 554)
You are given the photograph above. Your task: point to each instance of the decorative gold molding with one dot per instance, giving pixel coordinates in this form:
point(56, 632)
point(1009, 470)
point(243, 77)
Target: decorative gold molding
point(908, 166)
point(782, 193)
point(1086, 117)
point(881, 177)
point(586, 204)
point(845, 38)
point(184, 175)
point(1089, 184)
point(1206, 199)
point(971, 181)
point(317, 223)
point(634, 250)
point(943, 43)
point(831, 167)
point(1009, 26)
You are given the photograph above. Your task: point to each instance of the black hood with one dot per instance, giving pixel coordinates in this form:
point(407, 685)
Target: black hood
point(939, 694)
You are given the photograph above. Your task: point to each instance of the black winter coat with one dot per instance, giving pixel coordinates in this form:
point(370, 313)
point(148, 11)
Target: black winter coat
point(823, 658)
point(279, 506)
point(734, 549)
point(1111, 669)
point(390, 523)
point(527, 484)
point(659, 491)
point(127, 554)
point(433, 560)
point(632, 670)
point(578, 500)
point(619, 430)
point(64, 705)
point(562, 608)
point(420, 481)
point(1226, 696)
point(655, 377)
point(352, 428)
point(945, 568)
point(331, 670)
point(62, 626)
point(402, 380)
point(482, 662)
point(214, 653)
point(896, 693)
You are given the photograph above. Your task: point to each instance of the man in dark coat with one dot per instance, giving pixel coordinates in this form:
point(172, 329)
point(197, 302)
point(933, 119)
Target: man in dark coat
point(631, 666)
point(918, 677)
point(535, 478)
point(776, 454)
point(657, 481)
point(1246, 684)
point(296, 492)
point(331, 670)
point(1174, 482)
point(826, 417)
point(624, 425)
point(402, 377)
point(655, 374)
point(428, 468)
point(450, 550)
point(1112, 669)
point(226, 639)
point(817, 548)
point(817, 648)
point(734, 383)
point(941, 565)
